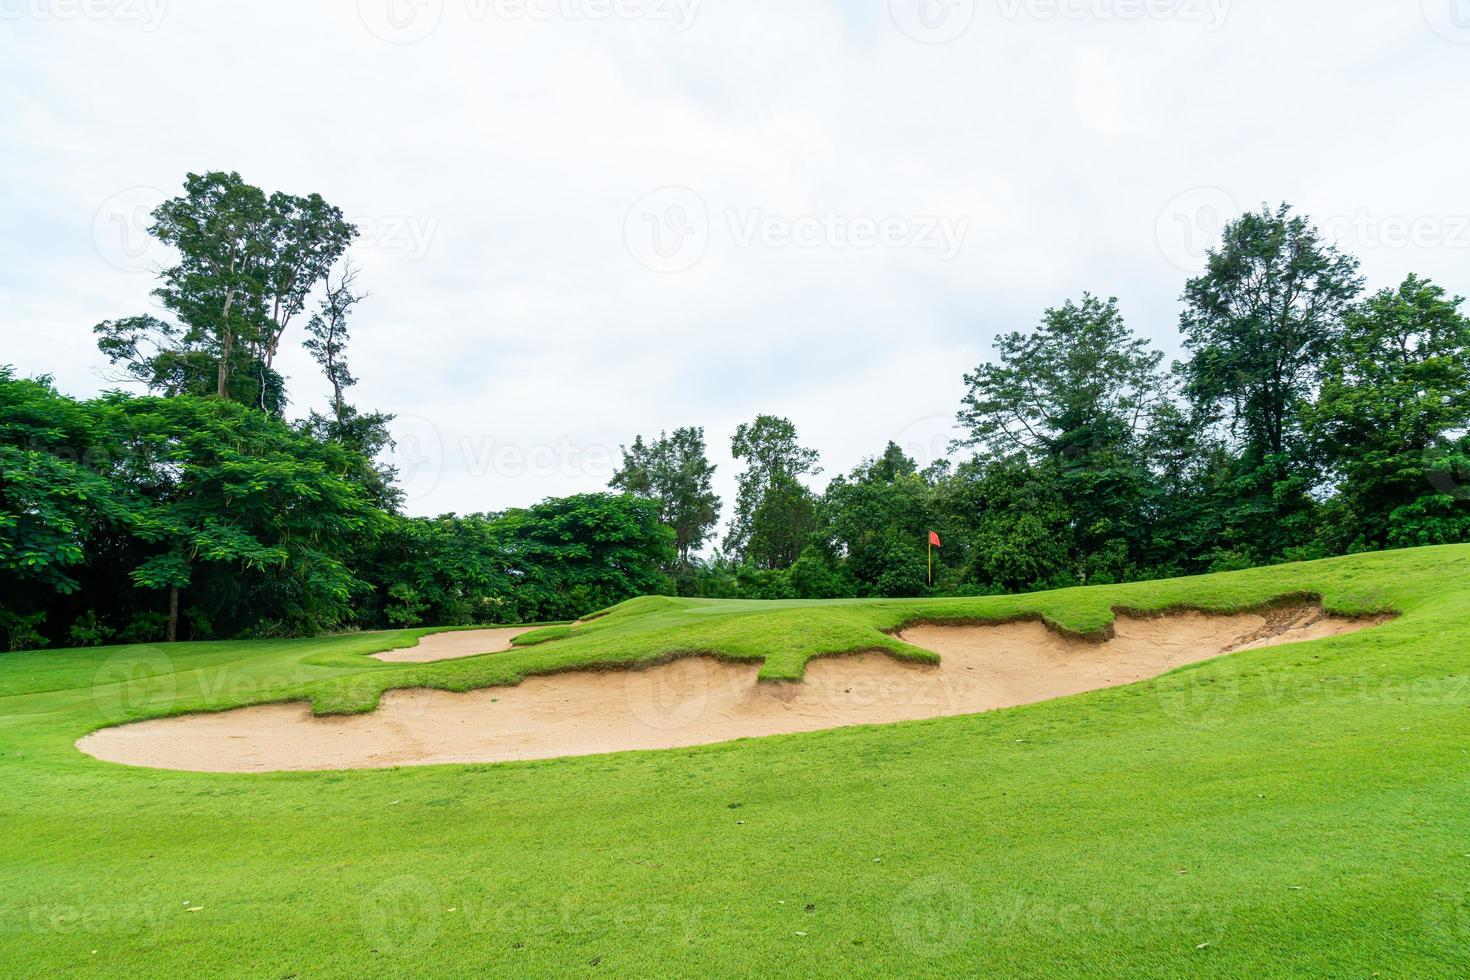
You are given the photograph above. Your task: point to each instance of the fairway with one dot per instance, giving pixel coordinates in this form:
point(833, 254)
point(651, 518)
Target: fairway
point(1293, 809)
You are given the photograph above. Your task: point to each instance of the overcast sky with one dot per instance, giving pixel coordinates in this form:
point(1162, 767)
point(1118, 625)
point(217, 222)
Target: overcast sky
point(588, 219)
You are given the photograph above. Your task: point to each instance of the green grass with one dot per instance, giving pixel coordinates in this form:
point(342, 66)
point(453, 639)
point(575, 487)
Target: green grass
point(1301, 810)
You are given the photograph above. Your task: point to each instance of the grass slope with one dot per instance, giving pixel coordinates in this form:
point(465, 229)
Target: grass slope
point(1294, 811)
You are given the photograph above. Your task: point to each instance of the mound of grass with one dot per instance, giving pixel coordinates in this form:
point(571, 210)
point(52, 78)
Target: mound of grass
point(783, 636)
point(1302, 810)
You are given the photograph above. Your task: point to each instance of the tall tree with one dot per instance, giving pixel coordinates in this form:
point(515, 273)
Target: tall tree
point(1071, 400)
point(247, 265)
point(326, 334)
point(1080, 383)
point(675, 471)
point(1392, 415)
point(366, 433)
point(308, 236)
point(774, 511)
point(1259, 324)
point(221, 229)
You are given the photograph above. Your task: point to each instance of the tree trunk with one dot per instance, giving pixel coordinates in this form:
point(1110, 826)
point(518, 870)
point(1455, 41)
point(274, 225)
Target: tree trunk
point(227, 347)
point(173, 614)
point(224, 367)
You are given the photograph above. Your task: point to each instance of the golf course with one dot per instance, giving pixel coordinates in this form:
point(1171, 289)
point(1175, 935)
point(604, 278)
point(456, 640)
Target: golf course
point(1293, 808)
point(663, 489)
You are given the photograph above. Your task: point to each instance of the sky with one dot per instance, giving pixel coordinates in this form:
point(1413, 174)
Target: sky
point(583, 220)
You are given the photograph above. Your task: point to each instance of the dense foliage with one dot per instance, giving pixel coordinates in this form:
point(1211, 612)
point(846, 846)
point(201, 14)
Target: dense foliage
point(1307, 421)
point(197, 511)
point(136, 518)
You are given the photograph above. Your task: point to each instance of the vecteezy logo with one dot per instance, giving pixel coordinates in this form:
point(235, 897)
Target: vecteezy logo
point(932, 21)
point(1447, 468)
point(120, 230)
point(402, 915)
point(668, 230)
point(417, 455)
point(1192, 224)
point(400, 21)
point(133, 680)
point(934, 916)
point(1201, 696)
point(668, 698)
point(1448, 917)
point(930, 439)
point(1450, 19)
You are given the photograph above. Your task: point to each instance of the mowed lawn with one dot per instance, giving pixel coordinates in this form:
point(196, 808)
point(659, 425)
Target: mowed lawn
point(1300, 810)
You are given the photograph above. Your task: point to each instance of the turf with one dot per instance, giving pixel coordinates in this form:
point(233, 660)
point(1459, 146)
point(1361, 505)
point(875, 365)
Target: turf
point(1301, 810)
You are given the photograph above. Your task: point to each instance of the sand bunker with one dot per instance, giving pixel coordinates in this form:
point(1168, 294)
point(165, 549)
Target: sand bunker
point(454, 645)
point(700, 700)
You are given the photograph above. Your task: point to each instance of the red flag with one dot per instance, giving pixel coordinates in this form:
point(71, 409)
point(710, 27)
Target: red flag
point(934, 539)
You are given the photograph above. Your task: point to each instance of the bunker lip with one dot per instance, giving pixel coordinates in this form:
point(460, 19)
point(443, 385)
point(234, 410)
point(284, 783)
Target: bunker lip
point(455, 645)
point(699, 699)
point(1290, 602)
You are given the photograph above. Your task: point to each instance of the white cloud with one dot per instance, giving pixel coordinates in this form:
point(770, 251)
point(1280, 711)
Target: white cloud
point(495, 162)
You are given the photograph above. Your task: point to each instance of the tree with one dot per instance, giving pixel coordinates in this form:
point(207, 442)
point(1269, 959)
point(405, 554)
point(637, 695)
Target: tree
point(308, 236)
point(248, 504)
point(1188, 506)
point(56, 483)
point(780, 526)
point(444, 571)
point(220, 227)
point(247, 264)
point(244, 522)
point(170, 362)
point(573, 556)
point(366, 435)
point(1391, 417)
point(876, 523)
point(773, 510)
point(1259, 324)
point(1010, 526)
point(674, 471)
point(1073, 400)
point(1081, 383)
point(891, 465)
point(327, 335)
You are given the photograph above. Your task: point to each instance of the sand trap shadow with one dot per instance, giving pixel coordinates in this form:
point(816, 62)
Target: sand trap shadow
point(700, 700)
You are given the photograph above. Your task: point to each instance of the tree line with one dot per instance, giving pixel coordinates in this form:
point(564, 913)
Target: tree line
point(1308, 419)
point(197, 511)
